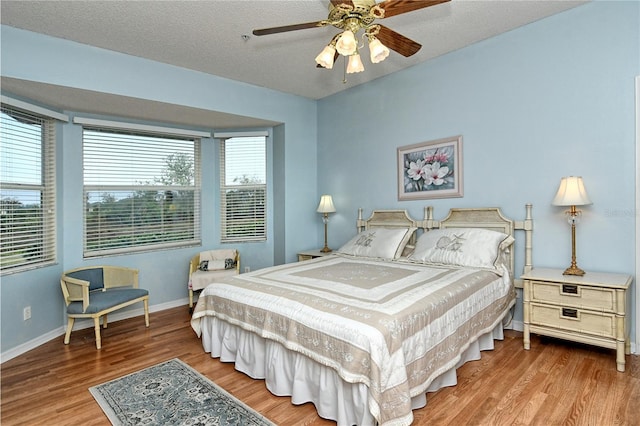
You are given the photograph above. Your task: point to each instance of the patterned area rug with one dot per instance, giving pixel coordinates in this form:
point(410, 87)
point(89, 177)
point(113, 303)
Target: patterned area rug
point(172, 393)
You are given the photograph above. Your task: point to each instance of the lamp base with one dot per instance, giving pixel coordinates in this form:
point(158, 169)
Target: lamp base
point(573, 270)
point(325, 249)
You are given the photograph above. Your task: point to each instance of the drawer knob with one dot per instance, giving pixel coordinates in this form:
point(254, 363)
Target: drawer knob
point(569, 289)
point(568, 312)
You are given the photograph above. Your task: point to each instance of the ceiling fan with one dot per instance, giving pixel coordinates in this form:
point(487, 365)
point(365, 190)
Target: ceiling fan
point(351, 16)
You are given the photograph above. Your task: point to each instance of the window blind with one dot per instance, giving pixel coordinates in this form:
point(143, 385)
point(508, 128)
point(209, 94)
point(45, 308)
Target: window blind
point(243, 189)
point(27, 193)
point(141, 191)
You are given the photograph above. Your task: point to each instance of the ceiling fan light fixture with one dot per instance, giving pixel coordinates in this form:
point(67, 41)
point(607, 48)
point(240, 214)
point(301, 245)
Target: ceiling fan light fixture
point(378, 51)
point(347, 44)
point(355, 64)
point(352, 16)
point(325, 58)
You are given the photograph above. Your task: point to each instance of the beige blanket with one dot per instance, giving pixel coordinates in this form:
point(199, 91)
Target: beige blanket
point(393, 326)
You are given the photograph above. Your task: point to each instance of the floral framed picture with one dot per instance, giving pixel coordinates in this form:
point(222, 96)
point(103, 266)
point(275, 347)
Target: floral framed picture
point(430, 169)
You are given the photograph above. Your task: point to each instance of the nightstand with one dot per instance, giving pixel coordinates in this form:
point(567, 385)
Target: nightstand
point(311, 254)
point(590, 309)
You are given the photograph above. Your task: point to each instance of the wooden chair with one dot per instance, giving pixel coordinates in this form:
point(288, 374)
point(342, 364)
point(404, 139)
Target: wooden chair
point(95, 291)
point(199, 279)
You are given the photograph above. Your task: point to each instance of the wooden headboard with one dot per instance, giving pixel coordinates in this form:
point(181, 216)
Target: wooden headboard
point(486, 217)
point(493, 219)
point(388, 219)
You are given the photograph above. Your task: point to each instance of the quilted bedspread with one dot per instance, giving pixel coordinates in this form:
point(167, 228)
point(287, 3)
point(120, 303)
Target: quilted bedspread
point(393, 326)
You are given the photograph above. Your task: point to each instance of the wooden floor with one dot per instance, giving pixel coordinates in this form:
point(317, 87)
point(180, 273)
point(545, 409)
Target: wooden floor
point(555, 383)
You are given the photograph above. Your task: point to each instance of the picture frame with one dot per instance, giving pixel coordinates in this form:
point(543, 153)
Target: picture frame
point(430, 170)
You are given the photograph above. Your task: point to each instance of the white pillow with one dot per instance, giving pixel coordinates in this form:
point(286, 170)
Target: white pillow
point(217, 264)
point(470, 247)
point(385, 243)
point(218, 254)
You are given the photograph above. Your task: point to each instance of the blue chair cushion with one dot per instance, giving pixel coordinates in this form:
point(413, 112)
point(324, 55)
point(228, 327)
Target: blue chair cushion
point(93, 275)
point(101, 300)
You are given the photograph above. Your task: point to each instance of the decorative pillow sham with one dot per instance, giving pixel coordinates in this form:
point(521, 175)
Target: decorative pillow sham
point(385, 243)
point(216, 265)
point(471, 247)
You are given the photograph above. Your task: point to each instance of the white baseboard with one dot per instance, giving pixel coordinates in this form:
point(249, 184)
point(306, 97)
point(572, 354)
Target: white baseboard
point(86, 323)
point(31, 344)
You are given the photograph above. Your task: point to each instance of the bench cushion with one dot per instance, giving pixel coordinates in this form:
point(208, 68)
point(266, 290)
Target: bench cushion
point(101, 300)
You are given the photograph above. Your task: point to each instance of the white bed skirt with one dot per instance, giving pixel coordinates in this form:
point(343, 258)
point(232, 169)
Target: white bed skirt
point(287, 373)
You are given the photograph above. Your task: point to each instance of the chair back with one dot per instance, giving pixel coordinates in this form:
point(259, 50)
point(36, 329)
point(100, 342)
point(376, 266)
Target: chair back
point(116, 276)
point(95, 276)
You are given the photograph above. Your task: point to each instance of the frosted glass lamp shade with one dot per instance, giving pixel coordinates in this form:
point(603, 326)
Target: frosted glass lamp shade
point(355, 64)
point(378, 51)
point(346, 44)
point(325, 58)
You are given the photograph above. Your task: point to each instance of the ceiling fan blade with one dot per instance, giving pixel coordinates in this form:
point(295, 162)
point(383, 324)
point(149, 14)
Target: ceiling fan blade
point(396, 7)
point(285, 28)
point(336, 3)
point(395, 41)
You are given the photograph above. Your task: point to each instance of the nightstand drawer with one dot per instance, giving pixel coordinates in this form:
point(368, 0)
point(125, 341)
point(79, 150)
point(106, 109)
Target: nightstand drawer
point(311, 254)
point(579, 320)
point(600, 299)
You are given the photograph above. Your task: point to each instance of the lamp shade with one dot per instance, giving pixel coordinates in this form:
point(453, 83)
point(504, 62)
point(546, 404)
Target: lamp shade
point(378, 51)
point(325, 58)
point(355, 64)
point(571, 192)
point(346, 44)
point(326, 205)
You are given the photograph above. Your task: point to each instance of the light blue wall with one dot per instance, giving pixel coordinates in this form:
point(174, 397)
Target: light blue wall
point(551, 99)
point(39, 58)
point(554, 98)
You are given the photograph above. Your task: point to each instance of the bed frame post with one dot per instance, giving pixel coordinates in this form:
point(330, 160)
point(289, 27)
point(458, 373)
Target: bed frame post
point(526, 225)
point(428, 222)
point(528, 244)
point(360, 223)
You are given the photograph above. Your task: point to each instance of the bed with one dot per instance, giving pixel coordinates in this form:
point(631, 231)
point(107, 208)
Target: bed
point(366, 332)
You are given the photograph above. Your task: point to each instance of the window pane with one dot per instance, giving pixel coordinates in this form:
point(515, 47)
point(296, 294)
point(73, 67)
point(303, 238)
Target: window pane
point(245, 213)
point(245, 161)
point(243, 192)
point(125, 159)
point(27, 197)
point(141, 191)
point(21, 151)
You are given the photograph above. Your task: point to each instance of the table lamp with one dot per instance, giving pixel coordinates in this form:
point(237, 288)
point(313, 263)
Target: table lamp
point(572, 193)
point(325, 207)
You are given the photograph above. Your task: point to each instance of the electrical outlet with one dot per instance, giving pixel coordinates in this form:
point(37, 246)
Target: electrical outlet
point(26, 313)
point(247, 269)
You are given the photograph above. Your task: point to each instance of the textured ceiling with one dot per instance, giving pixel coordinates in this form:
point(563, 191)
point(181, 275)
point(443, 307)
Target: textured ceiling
point(207, 36)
